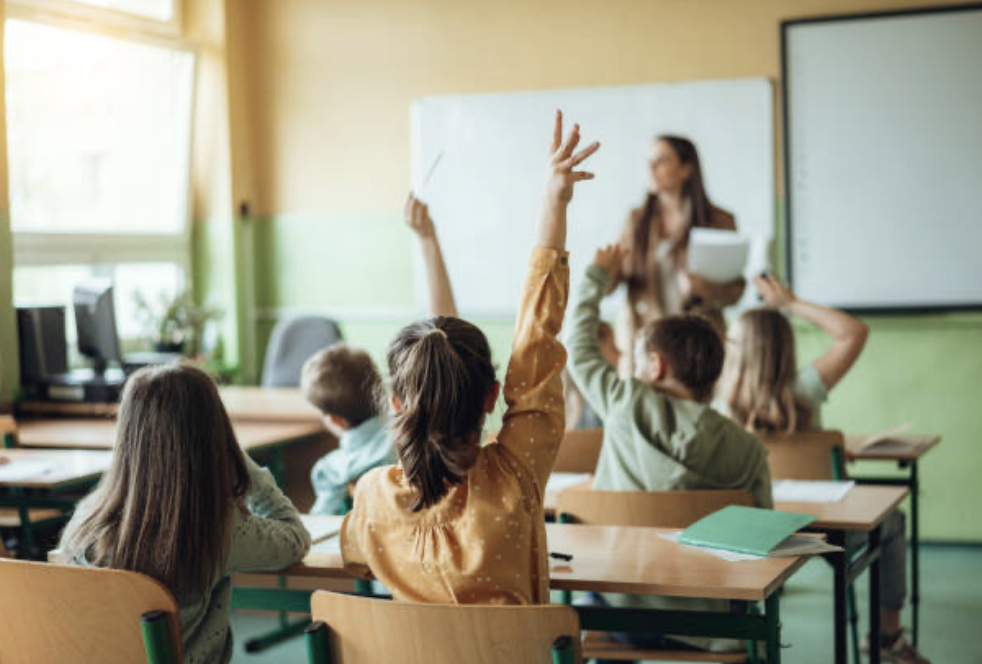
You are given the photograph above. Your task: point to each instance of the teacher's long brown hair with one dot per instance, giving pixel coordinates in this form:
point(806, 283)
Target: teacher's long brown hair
point(693, 191)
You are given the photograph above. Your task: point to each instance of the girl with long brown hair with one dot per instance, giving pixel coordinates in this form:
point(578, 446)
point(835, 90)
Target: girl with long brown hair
point(656, 235)
point(182, 504)
point(765, 391)
point(456, 522)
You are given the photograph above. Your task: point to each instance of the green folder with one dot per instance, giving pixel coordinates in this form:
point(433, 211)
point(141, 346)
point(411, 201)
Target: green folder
point(745, 529)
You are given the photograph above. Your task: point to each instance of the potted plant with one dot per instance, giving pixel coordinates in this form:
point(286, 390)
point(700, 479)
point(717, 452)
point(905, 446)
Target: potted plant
point(176, 325)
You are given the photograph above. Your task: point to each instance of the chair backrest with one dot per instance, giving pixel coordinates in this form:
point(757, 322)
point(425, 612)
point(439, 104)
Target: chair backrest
point(659, 509)
point(810, 455)
point(63, 613)
point(579, 452)
point(291, 343)
point(362, 630)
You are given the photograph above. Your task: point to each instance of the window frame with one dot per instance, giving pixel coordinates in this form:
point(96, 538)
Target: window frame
point(34, 248)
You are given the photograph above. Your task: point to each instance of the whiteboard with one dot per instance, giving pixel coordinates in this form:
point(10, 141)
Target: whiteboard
point(486, 190)
point(884, 140)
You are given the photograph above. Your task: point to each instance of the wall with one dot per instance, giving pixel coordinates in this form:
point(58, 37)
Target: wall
point(9, 364)
point(330, 84)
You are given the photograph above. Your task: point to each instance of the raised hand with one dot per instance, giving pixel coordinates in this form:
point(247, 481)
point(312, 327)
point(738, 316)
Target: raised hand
point(562, 161)
point(560, 181)
point(417, 216)
point(773, 291)
point(609, 259)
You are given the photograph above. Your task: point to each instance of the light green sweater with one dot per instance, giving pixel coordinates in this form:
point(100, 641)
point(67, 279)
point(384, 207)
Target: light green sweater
point(269, 537)
point(655, 442)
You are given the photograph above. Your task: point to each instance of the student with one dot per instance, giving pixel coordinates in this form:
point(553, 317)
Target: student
point(579, 415)
point(182, 504)
point(456, 522)
point(344, 384)
point(659, 433)
point(765, 391)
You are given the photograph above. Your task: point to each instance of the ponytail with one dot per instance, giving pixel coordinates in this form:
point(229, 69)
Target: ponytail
point(442, 374)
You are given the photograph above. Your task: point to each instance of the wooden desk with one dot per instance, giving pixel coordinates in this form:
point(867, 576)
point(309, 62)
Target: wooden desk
point(68, 467)
point(610, 559)
point(906, 460)
point(276, 404)
point(862, 510)
point(100, 433)
point(268, 404)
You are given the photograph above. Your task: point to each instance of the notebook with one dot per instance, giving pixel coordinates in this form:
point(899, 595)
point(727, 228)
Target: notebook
point(809, 491)
point(320, 529)
point(758, 532)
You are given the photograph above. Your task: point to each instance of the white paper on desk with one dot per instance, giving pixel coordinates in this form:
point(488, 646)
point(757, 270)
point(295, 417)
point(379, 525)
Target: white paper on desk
point(559, 481)
point(320, 529)
point(18, 471)
point(732, 556)
point(330, 545)
point(800, 491)
point(716, 255)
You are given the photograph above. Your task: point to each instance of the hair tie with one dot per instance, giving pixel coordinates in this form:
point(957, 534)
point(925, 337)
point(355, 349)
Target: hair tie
point(439, 331)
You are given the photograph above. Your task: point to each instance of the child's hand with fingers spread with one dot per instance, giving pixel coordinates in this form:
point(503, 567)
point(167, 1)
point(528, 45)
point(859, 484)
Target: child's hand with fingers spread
point(417, 216)
point(562, 161)
point(773, 291)
point(609, 259)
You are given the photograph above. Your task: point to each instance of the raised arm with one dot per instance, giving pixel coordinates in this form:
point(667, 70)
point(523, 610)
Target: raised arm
point(417, 216)
point(596, 378)
point(848, 333)
point(534, 422)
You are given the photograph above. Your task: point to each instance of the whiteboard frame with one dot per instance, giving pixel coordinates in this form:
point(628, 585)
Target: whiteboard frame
point(786, 27)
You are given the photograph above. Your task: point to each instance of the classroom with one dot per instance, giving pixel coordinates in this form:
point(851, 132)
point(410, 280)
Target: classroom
point(526, 331)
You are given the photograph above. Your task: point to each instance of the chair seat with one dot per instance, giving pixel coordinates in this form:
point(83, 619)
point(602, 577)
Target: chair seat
point(599, 645)
point(10, 518)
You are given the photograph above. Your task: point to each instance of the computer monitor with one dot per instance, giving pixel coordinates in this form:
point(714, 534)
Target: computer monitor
point(95, 321)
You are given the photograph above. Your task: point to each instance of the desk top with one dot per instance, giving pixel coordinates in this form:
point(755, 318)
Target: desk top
point(99, 433)
point(863, 508)
point(907, 448)
point(64, 466)
point(622, 559)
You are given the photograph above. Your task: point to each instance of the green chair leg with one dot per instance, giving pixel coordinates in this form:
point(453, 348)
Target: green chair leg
point(565, 596)
point(563, 651)
point(316, 638)
point(852, 615)
point(8, 441)
point(157, 638)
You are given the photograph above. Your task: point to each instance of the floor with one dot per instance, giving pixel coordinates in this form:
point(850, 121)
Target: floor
point(951, 613)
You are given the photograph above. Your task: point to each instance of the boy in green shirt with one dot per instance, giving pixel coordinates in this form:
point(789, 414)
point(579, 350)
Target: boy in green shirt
point(659, 432)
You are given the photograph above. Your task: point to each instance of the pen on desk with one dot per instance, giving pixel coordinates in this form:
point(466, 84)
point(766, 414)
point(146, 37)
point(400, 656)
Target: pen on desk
point(565, 557)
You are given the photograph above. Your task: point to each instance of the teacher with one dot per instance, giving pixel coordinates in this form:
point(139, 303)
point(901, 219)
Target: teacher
point(656, 237)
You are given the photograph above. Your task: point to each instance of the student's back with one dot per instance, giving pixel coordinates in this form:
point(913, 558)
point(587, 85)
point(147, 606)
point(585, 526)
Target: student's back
point(182, 504)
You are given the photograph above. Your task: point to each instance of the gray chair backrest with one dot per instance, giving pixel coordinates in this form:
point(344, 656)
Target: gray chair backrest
point(291, 343)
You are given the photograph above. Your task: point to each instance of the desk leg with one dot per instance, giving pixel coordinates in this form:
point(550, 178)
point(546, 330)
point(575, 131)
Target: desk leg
point(773, 626)
point(839, 562)
point(915, 548)
point(874, 597)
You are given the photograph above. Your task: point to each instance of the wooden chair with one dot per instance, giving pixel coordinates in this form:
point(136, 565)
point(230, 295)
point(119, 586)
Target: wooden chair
point(62, 613)
point(348, 629)
point(811, 455)
point(661, 509)
point(578, 453)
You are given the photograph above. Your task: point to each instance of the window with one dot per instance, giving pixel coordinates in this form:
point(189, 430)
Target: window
point(160, 10)
point(98, 135)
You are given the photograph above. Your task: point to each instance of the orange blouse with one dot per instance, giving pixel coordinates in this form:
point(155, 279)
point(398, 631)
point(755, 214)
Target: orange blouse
point(485, 542)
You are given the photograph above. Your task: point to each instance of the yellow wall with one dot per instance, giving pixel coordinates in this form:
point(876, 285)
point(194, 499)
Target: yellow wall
point(334, 78)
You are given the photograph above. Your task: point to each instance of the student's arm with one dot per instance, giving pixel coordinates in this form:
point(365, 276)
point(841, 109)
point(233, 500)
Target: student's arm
point(270, 535)
point(417, 216)
point(597, 380)
point(534, 421)
point(762, 492)
point(848, 334)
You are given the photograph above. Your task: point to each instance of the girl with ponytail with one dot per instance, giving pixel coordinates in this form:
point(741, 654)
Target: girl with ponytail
point(455, 522)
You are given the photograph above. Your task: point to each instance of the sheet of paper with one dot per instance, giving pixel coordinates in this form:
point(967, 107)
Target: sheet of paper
point(716, 255)
point(320, 529)
point(559, 481)
point(800, 491)
point(860, 443)
point(731, 556)
point(330, 545)
point(17, 471)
